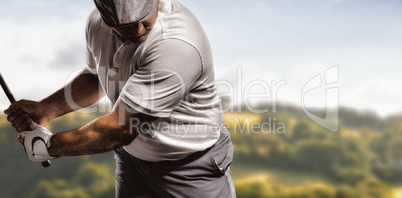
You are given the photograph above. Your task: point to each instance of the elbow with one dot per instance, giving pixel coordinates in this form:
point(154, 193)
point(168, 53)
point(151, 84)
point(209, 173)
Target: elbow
point(119, 137)
point(127, 136)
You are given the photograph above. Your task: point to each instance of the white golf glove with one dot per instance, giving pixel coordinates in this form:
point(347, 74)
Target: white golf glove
point(36, 143)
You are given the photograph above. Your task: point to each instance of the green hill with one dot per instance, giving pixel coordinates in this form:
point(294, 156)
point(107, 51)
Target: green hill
point(302, 159)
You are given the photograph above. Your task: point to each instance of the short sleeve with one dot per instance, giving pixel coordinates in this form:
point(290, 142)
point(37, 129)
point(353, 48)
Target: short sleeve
point(164, 77)
point(91, 64)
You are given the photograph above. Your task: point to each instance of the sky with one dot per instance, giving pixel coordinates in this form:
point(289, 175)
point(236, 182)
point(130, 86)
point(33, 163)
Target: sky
point(306, 53)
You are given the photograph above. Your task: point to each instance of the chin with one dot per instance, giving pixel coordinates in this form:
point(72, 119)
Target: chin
point(138, 40)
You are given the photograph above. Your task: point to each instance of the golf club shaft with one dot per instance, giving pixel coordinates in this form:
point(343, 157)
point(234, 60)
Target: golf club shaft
point(12, 100)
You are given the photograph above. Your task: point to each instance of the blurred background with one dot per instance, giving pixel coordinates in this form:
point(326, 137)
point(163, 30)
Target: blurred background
point(309, 89)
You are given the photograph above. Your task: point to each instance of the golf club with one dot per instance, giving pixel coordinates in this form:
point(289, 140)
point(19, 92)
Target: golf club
point(12, 100)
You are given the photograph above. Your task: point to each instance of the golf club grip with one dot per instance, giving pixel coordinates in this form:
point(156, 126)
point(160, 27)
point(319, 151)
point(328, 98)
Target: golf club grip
point(6, 89)
point(12, 100)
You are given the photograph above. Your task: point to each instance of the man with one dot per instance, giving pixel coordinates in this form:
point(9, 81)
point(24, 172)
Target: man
point(153, 61)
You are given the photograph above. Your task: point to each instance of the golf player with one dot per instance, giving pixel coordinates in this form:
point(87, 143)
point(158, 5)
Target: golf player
point(153, 60)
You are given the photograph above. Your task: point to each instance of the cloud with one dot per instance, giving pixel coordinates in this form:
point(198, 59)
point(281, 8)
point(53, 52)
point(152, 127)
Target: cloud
point(43, 11)
point(43, 42)
point(69, 56)
point(380, 93)
point(39, 55)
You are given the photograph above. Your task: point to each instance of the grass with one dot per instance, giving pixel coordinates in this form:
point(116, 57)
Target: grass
point(280, 176)
point(245, 172)
point(398, 192)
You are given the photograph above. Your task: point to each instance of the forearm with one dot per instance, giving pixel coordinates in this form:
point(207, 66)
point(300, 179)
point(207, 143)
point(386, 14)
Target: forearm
point(82, 91)
point(101, 135)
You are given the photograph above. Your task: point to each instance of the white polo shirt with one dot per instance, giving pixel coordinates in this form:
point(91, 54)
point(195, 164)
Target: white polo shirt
point(170, 76)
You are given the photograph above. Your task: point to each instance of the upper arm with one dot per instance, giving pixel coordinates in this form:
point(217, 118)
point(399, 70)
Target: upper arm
point(126, 121)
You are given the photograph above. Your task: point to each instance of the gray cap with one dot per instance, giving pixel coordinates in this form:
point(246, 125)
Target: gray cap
point(122, 12)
